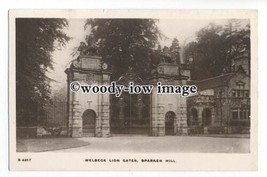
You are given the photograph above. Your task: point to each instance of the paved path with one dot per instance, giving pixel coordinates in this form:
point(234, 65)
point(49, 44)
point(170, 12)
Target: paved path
point(148, 144)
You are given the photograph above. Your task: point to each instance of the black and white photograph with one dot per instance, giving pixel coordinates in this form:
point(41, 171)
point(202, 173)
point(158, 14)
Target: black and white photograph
point(133, 91)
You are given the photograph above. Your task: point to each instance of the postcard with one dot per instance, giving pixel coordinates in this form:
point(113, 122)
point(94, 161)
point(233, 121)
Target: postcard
point(133, 90)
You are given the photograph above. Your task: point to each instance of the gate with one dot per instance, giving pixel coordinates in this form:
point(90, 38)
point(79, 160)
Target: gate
point(130, 113)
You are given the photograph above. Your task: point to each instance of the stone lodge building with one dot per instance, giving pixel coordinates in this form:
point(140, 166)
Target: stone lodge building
point(222, 104)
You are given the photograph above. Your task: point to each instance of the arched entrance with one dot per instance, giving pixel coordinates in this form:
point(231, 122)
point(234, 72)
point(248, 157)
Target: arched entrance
point(89, 121)
point(206, 117)
point(130, 114)
point(169, 123)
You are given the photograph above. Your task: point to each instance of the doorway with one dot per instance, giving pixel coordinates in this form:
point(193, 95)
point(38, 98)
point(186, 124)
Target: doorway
point(169, 123)
point(206, 117)
point(89, 121)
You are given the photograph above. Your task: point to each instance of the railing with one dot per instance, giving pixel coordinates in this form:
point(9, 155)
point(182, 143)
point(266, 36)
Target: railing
point(219, 130)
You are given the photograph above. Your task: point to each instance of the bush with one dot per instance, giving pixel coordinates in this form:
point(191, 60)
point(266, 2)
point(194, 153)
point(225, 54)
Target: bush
point(240, 123)
point(196, 130)
point(216, 130)
point(53, 128)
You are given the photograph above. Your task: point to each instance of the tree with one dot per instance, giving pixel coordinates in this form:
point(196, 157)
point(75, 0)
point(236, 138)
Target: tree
point(236, 41)
point(36, 39)
point(207, 52)
point(126, 42)
point(216, 47)
point(175, 50)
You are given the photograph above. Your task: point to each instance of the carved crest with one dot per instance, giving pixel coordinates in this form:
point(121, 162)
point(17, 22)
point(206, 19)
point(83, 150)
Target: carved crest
point(130, 76)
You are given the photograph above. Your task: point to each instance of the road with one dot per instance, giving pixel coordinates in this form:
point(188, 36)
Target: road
point(166, 144)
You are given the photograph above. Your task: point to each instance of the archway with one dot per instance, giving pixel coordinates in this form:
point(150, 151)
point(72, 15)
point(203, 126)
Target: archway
point(89, 120)
point(206, 117)
point(169, 123)
point(130, 114)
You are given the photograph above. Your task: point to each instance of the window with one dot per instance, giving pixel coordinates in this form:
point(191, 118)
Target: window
point(240, 93)
point(240, 87)
point(233, 93)
point(235, 114)
point(240, 114)
point(239, 90)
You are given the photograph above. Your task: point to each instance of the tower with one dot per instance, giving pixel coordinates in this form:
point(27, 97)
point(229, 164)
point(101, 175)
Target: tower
point(88, 113)
point(168, 111)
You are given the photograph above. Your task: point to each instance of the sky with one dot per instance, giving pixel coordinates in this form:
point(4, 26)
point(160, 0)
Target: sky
point(183, 30)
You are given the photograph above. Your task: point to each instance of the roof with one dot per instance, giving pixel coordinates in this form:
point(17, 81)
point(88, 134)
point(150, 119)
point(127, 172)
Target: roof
point(212, 82)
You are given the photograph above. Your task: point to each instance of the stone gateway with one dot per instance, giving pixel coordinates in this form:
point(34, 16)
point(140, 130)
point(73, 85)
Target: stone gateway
point(102, 115)
point(88, 114)
point(221, 105)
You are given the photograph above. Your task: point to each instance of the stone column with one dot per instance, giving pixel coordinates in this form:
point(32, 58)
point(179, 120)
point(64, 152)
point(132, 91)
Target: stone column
point(154, 113)
point(161, 116)
point(200, 110)
point(183, 120)
point(140, 106)
point(212, 117)
point(70, 112)
point(76, 119)
point(105, 110)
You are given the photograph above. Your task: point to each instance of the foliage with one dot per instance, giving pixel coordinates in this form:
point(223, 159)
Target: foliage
point(167, 54)
point(175, 50)
point(36, 39)
point(53, 129)
point(236, 41)
point(216, 47)
point(125, 43)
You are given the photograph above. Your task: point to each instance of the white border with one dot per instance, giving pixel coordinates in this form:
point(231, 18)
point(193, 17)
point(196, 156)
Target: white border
point(184, 161)
point(261, 5)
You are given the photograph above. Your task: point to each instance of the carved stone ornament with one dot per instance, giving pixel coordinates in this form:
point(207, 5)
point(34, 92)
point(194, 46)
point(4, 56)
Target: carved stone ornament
point(104, 66)
point(76, 63)
point(160, 70)
point(89, 78)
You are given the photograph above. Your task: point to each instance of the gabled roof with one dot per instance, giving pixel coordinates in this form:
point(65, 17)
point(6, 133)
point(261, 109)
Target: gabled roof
point(212, 82)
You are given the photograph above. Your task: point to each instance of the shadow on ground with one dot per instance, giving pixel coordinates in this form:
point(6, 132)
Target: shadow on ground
point(137, 144)
point(48, 144)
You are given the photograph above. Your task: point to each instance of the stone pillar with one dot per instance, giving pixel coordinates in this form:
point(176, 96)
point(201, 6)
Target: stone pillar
point(70, 112)
point(154, 114)
point(183, 113)
point(168, 74)
point(161, 116)
point(140, 106)
point(105, 121)
point(181, 127)
point(105, 109)
point(183, 120)
point(200, 110)
point(76, 120)
point(213, 117)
